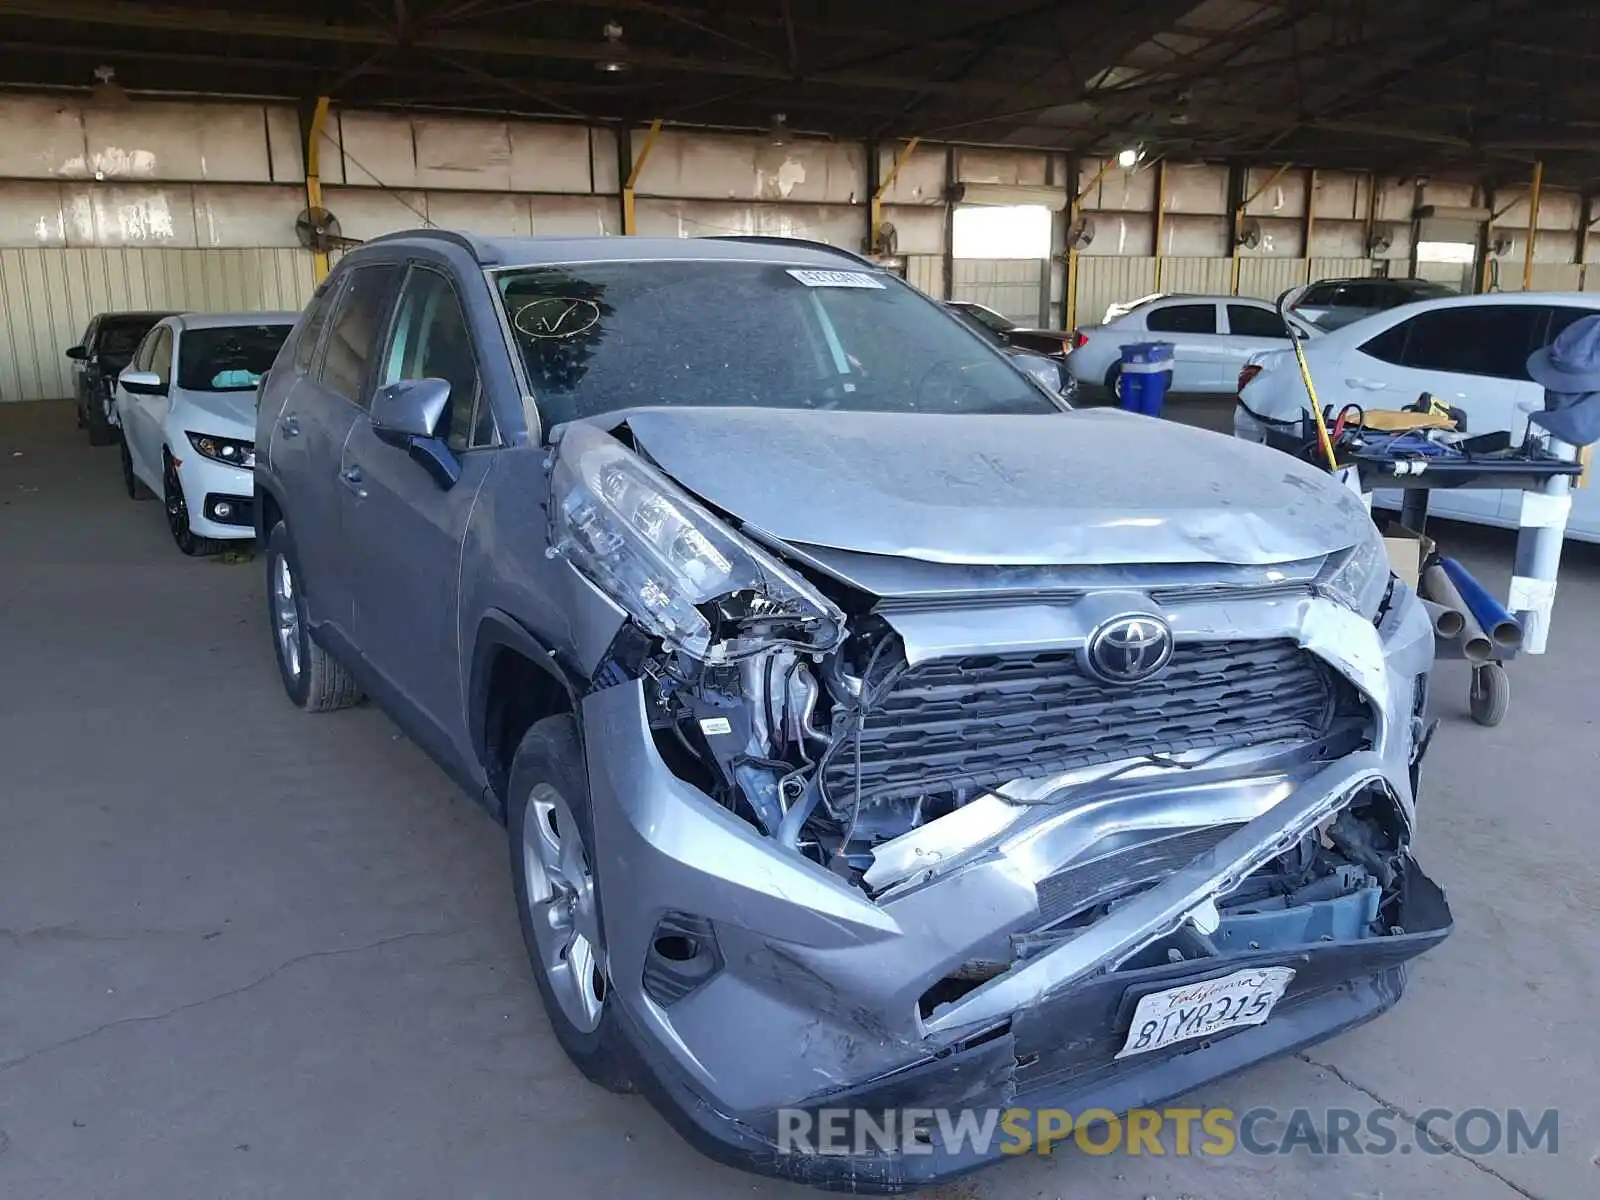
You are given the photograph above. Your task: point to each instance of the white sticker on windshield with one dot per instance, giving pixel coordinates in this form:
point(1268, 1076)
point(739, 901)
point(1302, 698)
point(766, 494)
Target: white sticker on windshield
point(853, 279)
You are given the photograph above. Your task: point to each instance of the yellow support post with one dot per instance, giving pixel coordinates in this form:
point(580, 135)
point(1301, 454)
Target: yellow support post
point(319, 259)
point(629, 223)
point(1238, 220)
point(1161, 217)
point(875, 209)
point(1311, 216)
point(1072, 252)
point(1533, 225)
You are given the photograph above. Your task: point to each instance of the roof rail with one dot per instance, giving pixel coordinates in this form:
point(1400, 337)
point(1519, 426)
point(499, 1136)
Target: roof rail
point(481, 254)
point(769, 239)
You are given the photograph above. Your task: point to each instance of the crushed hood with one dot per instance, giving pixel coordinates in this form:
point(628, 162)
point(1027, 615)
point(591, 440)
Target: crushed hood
point(1093, 486)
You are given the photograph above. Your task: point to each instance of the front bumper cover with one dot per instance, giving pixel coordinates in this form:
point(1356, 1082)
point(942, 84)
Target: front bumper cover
point(816, 1002)
point(1068, 1045)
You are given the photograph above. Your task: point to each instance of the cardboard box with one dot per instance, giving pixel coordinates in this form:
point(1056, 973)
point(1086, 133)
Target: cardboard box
point(1408, 550)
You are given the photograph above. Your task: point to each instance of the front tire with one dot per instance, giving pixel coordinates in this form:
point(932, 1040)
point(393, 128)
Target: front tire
point(92, 417)
point(558, 903)
point(177, 506)
point(313, 680)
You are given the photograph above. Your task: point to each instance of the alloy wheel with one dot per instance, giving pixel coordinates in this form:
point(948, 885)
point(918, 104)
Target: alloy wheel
point(177, 511)
point(285, 614)
point(561, 902)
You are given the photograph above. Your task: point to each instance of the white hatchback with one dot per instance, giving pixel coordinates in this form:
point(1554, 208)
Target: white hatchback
point(1212, 338)
point(186, 407)
point(1469, 351)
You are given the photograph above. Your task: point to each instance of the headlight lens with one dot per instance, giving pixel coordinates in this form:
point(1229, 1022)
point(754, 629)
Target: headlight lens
point(670, 564)
point(232, 451)
point(1358, 577)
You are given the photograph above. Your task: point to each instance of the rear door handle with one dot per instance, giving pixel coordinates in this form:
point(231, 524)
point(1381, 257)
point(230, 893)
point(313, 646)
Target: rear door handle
point(289, 425)
point(1367, 385)
point(352, 478)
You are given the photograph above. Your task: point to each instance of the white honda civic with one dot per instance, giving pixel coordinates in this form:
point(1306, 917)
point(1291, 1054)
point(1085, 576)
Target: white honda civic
point(186, 407)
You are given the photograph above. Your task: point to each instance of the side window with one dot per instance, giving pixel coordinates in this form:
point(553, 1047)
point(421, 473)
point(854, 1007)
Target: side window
point(1249, 321)
point(1317, 295)
point(311, 326)
point(431, 341)
point(1182, 318)
point(161, 354)
point(89, 335)
point(1562, 315)
point(357, 329)
point(1390, 345)
point(1484, 339)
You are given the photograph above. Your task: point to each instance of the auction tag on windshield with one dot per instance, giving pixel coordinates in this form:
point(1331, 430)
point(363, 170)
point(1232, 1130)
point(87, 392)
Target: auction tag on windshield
point(849, 279)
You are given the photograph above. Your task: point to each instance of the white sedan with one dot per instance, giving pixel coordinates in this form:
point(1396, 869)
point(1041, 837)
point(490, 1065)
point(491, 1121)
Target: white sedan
point(1469, 351)
point(1212, 338)
point(186, 407)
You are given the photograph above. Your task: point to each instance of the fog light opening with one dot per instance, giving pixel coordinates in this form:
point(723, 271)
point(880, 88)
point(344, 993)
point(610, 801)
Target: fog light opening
point(676, 947)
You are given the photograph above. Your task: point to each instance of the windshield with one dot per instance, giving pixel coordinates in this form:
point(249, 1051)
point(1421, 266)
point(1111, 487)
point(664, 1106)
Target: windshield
point(598, 337)
point(228, 358)
point(117, 340)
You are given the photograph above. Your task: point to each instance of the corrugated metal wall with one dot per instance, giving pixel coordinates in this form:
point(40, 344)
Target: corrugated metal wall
point(1008, 285)
point(926, 271)
point(1268, 278)
point(49, 295)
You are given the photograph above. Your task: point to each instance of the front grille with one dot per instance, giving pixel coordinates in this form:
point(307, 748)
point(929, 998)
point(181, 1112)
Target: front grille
point(983, 720)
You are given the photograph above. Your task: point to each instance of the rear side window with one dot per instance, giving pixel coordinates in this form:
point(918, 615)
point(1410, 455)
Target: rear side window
point(1562, 315)
point(357, 329)
point(1182, 318)
point(1485, 339)
point(1250, 321)
point(316, 316)
point(1390, 345)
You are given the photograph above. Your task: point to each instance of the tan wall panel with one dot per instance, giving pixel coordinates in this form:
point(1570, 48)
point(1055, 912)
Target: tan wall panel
point(51, 293)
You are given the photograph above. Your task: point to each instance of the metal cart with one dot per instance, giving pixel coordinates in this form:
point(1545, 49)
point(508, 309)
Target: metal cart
point(1530, 468)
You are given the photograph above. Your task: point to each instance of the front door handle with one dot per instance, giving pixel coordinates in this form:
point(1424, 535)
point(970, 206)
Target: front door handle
point(289, 425)
point(352, 478)
point(1367, 385)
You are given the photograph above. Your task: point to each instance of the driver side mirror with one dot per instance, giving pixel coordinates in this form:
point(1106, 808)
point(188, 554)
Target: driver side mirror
point(406, 413)
point(78, 353)
point(142, 383)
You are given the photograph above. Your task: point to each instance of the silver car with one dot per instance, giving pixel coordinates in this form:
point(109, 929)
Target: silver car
point(871, 731)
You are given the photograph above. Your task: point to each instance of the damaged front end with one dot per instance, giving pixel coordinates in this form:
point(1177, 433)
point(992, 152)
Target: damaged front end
point(884, 834)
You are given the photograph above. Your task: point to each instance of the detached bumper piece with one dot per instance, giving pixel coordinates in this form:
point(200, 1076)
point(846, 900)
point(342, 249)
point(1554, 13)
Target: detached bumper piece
point(1061, 1054)
point(230, 510)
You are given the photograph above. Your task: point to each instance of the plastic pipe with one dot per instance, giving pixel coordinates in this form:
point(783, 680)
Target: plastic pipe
point(1437, 587)
point(1491, 615)
point(1447, 622)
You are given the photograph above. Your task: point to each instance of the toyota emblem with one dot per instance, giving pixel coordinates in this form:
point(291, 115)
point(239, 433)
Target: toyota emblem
point(1129, 649)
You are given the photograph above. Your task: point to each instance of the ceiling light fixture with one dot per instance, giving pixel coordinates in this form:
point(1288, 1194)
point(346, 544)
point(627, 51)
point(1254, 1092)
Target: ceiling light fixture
point(1129, 157)
point(106, 89)
point(778, 131)
point(618, 61)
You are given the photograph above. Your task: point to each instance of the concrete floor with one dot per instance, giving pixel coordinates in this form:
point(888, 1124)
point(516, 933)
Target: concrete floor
point(246, 952)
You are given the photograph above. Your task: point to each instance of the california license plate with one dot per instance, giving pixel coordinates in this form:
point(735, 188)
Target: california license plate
point(1198, 1010)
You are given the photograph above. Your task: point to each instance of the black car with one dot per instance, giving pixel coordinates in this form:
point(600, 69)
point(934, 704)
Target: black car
point(107, 347)
point(1041, 353)
point(1057, 343)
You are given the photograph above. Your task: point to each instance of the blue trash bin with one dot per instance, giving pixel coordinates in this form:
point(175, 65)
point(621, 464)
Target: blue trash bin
point(1146, 375)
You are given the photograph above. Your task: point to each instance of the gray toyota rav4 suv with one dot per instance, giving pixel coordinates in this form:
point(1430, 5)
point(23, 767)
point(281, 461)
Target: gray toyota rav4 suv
point(872, 732)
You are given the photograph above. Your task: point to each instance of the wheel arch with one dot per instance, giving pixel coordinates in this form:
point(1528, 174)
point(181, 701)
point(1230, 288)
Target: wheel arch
point(515, 681)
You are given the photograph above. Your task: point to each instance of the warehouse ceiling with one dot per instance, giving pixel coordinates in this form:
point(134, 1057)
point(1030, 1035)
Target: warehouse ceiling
point(1463, 86)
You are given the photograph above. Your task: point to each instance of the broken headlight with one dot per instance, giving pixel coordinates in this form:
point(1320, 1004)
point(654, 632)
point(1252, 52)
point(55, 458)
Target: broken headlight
point(1358, 577)
point(671, 565)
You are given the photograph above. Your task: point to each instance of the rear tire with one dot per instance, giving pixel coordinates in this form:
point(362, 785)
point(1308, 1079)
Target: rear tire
point(312, 678)
point(558, 902)
point(132, 483)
